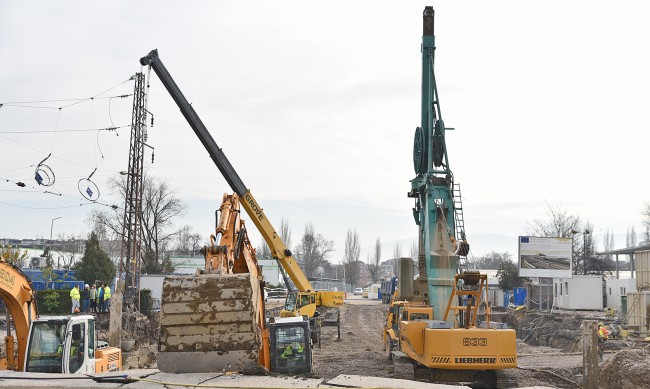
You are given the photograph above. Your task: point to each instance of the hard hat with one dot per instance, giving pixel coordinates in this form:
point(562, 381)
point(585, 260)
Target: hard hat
point(87, 286)
point(600, 323)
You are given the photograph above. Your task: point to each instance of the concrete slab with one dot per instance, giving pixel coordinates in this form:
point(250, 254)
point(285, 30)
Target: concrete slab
point(14, 379)
point(154, 379)
point(378, 382)
point(189, 378)
point(225, 381)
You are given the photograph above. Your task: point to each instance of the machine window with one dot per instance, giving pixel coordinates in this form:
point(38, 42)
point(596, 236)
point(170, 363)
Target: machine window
point(46, 348)
point(290, 343)
point(419, 316)
point(290, 304)
point(91, 339)
point(76, 356)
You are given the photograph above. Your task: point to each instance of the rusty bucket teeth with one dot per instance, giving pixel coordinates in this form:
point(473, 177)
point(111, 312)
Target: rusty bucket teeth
point(209, 324)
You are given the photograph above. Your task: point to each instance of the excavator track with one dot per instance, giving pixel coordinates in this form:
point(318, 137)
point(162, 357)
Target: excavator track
point(209, 324)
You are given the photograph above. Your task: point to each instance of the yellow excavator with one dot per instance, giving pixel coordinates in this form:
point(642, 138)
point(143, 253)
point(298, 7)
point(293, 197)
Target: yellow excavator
point(58, 344)
point(304, 302)
point(463, 345)
point(215, 320)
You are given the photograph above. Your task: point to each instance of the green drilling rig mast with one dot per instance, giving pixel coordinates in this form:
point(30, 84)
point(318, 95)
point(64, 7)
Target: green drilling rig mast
point(438, 208)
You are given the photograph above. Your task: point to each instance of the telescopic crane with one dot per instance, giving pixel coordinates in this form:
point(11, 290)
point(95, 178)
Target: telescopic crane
point(303, 302)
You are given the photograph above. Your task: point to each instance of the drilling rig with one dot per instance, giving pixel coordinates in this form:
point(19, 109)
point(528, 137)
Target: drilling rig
point(434, 320)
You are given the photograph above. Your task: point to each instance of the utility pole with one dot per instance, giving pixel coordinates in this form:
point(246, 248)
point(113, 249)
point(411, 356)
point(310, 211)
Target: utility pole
point(130, 252)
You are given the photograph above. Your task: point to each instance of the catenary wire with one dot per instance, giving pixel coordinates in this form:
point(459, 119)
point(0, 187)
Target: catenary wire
point(22, 104)
point(113, 128)
point(23, 185)
point(55, 157)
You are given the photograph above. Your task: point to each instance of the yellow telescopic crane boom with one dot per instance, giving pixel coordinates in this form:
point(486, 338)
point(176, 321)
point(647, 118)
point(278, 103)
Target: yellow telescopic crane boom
point(278, 249)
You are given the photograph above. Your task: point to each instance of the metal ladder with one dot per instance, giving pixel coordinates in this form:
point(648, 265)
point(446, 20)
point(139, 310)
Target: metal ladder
point(460, 223)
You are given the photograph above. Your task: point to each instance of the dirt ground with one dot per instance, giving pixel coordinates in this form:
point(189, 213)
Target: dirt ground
point(360, 352)
point(548, 347)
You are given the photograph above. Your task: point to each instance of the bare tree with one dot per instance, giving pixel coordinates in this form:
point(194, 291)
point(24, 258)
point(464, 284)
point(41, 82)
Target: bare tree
point(263, 251)
point(492, 260)
point(557, 224)
point(608, 242)
point(66, 260)
point(13, 255)
point(160, 207)
point(351, 257)
point(397, 253)
point(187, 242)
point(285, 232)
point(373, 261)
point(630, 237)
point(562, 225)
point(646, 222)
point(413, 253)
point(313, 250)
point(183, 239)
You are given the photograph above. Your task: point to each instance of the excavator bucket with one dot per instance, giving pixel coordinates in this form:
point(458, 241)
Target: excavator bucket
point(208, 324)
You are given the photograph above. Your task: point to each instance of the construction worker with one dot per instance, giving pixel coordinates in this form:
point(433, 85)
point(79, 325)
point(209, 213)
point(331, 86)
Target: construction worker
point(100, 297)
point(603, 332)
point(74, 297)
point(107, 298)
point(85, 299)
point(292, 351)
point(93, 298)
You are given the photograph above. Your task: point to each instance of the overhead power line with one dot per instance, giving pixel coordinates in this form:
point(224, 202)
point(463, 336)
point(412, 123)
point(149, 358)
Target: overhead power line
point(54, 156)
point(77, 130)
point(64, 207)
point(26, 104)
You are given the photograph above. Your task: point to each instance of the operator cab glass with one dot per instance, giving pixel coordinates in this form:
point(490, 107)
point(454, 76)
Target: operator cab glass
point(291, 354)
point(290, 303)
point(45, 351)
point(419, 316)
point(77, 347)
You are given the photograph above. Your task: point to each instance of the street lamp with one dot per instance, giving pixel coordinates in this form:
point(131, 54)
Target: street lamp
point(51, 229)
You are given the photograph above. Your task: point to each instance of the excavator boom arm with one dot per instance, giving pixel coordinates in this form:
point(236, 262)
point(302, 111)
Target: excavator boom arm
point(254, 210)
point(17, 294)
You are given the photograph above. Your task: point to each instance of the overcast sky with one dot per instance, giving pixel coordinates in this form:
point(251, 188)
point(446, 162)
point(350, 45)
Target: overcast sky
point(315, 104)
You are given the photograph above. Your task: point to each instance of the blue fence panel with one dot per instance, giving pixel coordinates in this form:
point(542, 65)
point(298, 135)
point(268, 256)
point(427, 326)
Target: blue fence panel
point(520, 295)
point(39, 285)
point(57, 275)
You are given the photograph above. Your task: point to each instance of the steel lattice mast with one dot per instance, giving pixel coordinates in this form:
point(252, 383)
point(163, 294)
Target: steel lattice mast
point(131, 253)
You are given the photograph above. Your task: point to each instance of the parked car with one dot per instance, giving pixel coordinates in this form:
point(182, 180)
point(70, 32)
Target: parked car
point(365, 293)
point(358, 291)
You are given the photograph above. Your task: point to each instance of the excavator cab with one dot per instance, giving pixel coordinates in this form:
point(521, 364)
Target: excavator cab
point(290, 340)
point(299, 304)
point(68, 344)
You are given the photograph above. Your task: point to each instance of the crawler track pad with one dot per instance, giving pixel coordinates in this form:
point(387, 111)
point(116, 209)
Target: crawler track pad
point(209, 324)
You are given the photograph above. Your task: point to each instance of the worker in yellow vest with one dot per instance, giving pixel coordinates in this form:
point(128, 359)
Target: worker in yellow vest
point(74, 297)
point(107, 298)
